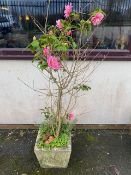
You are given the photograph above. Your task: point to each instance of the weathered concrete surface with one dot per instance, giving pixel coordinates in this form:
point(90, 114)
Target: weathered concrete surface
point(94, 153)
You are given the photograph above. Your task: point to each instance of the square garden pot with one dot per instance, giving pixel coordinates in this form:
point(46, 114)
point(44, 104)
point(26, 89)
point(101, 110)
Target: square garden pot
point(53, 158)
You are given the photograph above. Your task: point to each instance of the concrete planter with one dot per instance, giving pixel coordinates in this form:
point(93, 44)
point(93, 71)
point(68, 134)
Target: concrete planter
point(53, 158)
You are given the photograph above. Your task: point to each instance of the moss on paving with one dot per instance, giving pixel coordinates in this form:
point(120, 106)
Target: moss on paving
point(95, 152)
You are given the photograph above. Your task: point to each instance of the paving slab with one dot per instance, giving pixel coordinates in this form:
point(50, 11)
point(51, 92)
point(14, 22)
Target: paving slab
point(95, 152)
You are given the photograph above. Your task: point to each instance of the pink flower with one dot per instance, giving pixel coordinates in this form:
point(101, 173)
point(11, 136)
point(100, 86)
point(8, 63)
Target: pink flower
point(97, 19)
point(71, 116)
point(59, 24)
point(46, 51)
point(69, 33)
point(68, 10)
point(53, 63)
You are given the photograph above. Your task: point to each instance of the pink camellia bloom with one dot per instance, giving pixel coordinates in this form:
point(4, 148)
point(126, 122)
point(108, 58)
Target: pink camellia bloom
point(53, 63)
point(46, 51)
point(69, 33)
point(59, 24)
point(97, 19)
point(68, 10)
point(71, 116)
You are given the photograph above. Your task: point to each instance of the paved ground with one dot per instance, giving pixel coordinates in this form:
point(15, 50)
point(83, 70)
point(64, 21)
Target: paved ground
point(95, 152)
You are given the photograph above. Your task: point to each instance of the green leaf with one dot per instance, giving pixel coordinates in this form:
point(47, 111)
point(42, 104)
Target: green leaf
point(35, 44)
point(75, 16)
point(33, 59)
point(82, 87)
point(74, 45)
point(43, 65)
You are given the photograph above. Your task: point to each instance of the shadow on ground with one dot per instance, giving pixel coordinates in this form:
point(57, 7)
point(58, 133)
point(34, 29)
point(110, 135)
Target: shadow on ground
point(95, 152)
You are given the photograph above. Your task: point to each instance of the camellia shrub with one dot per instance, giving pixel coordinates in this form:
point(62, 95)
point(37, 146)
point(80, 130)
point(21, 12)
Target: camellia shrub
point(52, 52)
